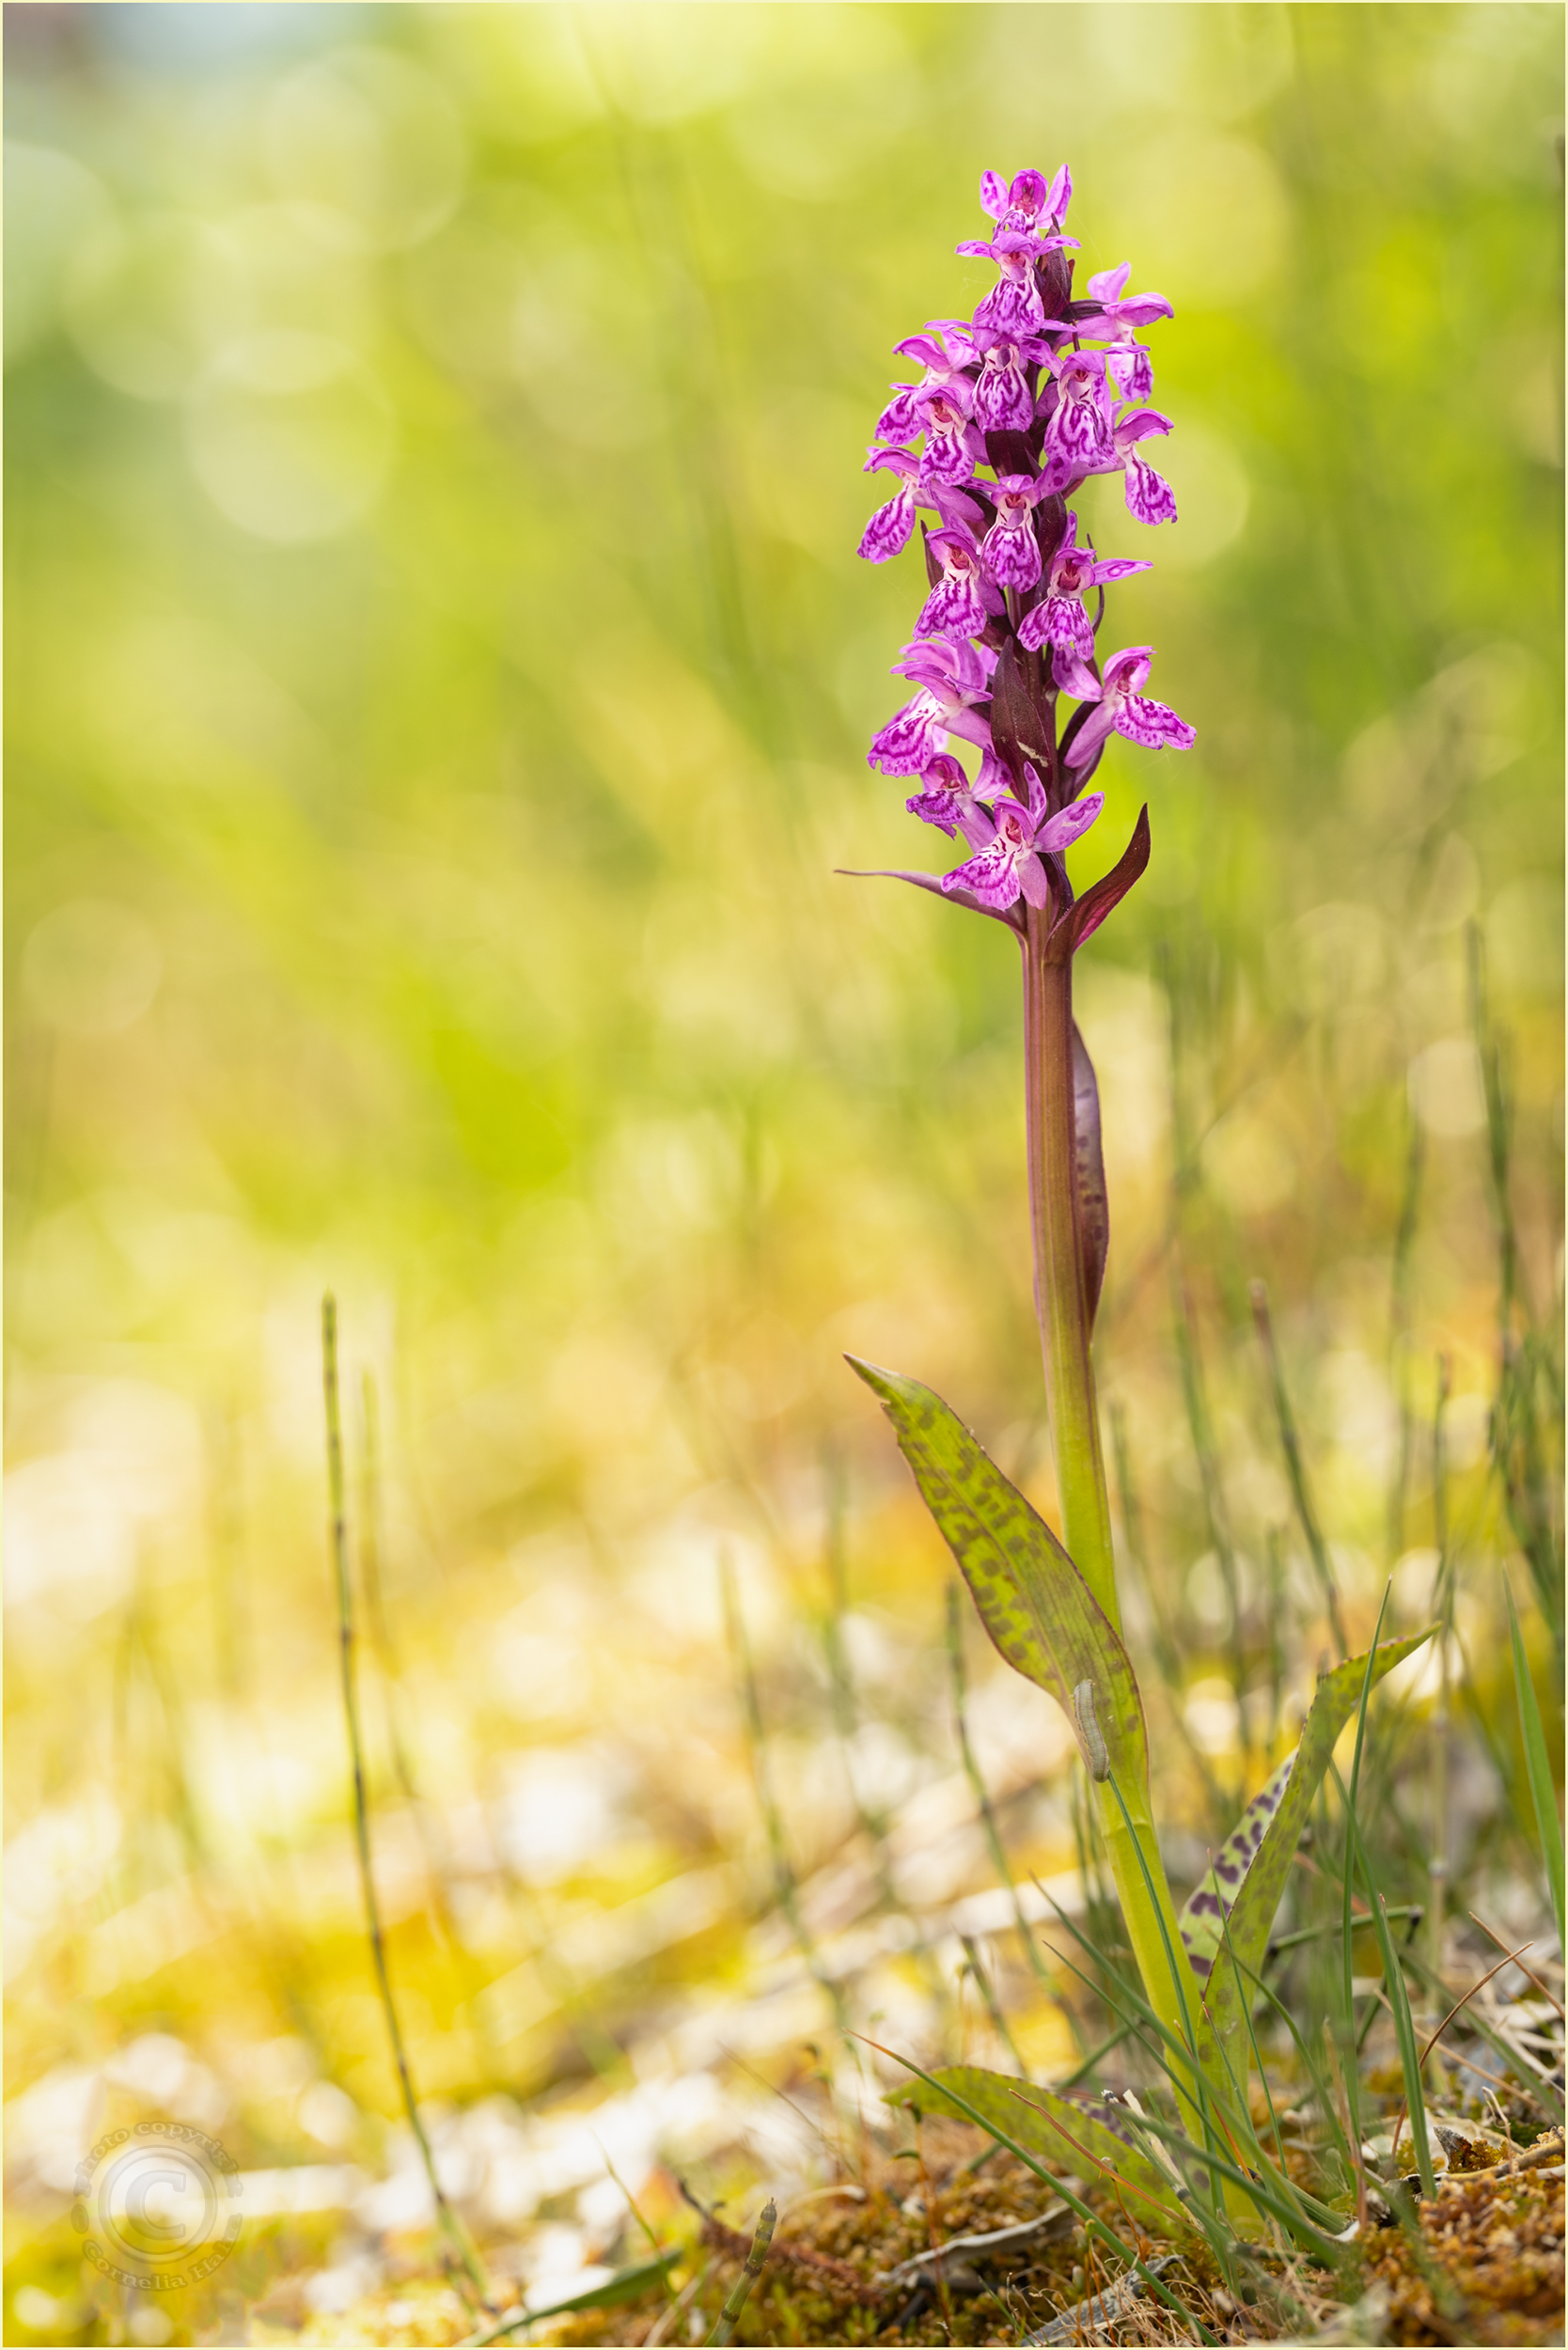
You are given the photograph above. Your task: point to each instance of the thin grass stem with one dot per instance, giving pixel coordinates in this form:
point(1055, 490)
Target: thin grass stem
point(1211, 1485)
point(1318, 1934)
point(785, 1888)
point(1538, 1767)
point(1437, 1852)
point(1497, 1943)
point(1399, 1328)
point(976, 1783)
point(1256, 2189)
point(1296, 1466)
point(1087, 2064)
point(466, 2254)
point(1168, 1655)
point(1320, 2084)
point(987, 1990)
point(1404, 2032)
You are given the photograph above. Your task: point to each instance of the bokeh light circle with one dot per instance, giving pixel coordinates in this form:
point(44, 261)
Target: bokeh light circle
point(90, 968)
point(290, 435)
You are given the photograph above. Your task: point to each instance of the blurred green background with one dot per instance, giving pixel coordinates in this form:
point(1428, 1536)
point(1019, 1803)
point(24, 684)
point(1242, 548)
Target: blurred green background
point(439, 680)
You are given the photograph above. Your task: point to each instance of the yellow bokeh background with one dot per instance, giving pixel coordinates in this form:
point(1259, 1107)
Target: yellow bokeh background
point(439, 681)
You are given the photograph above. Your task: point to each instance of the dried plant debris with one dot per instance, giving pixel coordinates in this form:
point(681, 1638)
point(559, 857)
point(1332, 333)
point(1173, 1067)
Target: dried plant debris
point(1496, 2236)
point(965, 2256)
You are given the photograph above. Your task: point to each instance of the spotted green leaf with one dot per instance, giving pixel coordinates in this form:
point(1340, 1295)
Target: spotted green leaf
point(1247, 1878)
point(1031, 1598)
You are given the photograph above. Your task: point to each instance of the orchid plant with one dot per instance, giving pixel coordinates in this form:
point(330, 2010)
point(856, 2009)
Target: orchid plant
point(1016, 408)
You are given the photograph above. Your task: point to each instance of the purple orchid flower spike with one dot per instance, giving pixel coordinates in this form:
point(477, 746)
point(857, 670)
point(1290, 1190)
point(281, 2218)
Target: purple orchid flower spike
point(1007, 866)
point(951, 679)
point(1059, 617)
point(1122, 706)
point(963, 600)
point(1150, 498)
point(993, 596)
point(948, 800)
point(1078, 436)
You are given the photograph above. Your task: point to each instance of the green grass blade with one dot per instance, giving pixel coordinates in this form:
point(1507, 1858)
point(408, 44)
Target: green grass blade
point(1311, 2238)
point(1142, 2020)
point(1404, 2032)
point(1538, 1767)
point(1350, 2047)
point(1080, 2133)
point(1308, 2062)
point(625, 2285)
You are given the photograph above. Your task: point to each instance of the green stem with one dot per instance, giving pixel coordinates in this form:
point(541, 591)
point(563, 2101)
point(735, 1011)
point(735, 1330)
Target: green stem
point(1061, 1303)
point(1058, 1277)
point(739, 2292)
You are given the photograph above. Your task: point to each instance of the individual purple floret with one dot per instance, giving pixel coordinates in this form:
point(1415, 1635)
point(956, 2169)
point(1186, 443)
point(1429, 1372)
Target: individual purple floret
point(1004, 402)
point(1011, 554)
point(1113, 322)
point(1149, 498)
point(948, 800)
point(1028, 203)
point(1120, 705)
point(951, 679)
point(1007, 866)
point(953, 447)
point(890, 528)
point(963, 600)
point(945, 350)
point(1059, 617)
point(892, 525)
point(1078, 437)
point(1013, 306)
